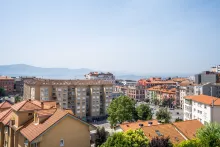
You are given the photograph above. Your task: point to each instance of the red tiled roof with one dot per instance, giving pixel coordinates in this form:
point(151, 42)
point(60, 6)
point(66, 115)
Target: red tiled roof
point(45, 112)
point(32, 131)
point(7, 118)
point(188, 128)
point(26, 105)
point(166, 130)
point(205, 99)
point(5, 104)
point(4, 113)
point(135, 125)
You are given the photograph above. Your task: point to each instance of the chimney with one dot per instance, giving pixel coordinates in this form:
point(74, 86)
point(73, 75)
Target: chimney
point(213, 103)
point(42, 105)
point(141, 125)
point(150, 123)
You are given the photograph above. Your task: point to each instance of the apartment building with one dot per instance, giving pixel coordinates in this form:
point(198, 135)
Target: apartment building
point(100, 76)
point(137, 93)
point(207, 77)
point(32, 123)
point(151, 82)
point(161, 92)
point(19, 83)
point(7, 83)
point(215, 69)
point(204, 108)
point(88, 99)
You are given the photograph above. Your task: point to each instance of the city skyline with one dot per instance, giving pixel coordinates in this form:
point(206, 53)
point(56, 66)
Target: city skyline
point(141, 36)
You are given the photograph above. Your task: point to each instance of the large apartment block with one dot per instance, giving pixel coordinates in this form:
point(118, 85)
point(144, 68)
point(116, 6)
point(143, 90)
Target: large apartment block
point(7, 83)
point(86, 98)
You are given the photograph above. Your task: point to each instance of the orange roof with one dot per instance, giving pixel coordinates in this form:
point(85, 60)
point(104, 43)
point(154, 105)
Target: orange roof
point(135, 125)
point(5, 104)
point(32, 131)
point(4, 113)
point(188, 128)
point(205, 99)
point(5, 78)
point(45, 112)
point(7, 118)
point(26, 105)
point(162, 89)
point(166, 130)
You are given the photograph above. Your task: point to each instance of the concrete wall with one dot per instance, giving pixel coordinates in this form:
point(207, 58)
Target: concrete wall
point(206, 78)
point(77, 135)
point(216, 111)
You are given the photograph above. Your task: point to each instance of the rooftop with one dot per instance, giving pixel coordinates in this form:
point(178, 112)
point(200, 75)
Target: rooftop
point(5, 78)
point(5, 105)
point(204, 99)
point(188, 128)
point(66, 82)
point(136, 125)
point(163, 130)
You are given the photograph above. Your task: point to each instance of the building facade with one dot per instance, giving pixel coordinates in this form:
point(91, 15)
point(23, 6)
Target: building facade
point(35, 124)
point(88, 99)
point(137, 93)
point(7, 83)
point(100, 76)
point(207, 77)
point(202, 107)
point(19, 84)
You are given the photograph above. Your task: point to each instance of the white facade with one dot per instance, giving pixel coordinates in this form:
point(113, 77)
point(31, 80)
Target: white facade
point(182, 95)
point(202, 112)
point(100, 76)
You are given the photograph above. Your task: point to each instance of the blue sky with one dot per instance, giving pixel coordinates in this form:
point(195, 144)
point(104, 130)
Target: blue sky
point(141, 36)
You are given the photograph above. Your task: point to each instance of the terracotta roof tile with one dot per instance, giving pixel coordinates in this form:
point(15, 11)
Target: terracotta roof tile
point(26, 105)
point(4, 113)
point(32, 131)
point(188, 128)
point(7, 118)
point(45, 112)
point(135, 125)
point(5, 104)
point(166, 130)
point(205, 99)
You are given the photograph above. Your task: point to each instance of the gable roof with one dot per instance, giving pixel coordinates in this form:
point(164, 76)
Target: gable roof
point(5, 104)
point(166, 130)
point(4, 113)
point(26, 105)
point(205, 99)
point(188, 128)
point(32, 131)
point(7, 117)
point(135, 125)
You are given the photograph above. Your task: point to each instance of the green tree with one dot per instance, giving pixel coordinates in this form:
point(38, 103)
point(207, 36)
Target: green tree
point(155, 101)
point(167, 102)
point(120, 110)
point(17, 99)
point(2, 91)
point(178, 119)
point(101, 136)
point(160, 142)
point(209, 134)
point(144, 112)
point(191, 143)
point(131, 138)
point(164, 115)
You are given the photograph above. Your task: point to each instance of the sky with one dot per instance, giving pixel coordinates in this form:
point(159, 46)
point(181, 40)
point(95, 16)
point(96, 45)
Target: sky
point(139, 36)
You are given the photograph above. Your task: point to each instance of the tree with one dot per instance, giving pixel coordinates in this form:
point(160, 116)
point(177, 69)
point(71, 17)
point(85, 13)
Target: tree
point(2, 91)
point(168, 102)
point(101, 136)
point(160, 142)
point(209, 134)
point(131, 138)
point(178, 119)
point(17, 99)
point(155, 101)
point(120, 110)
point(144, 112)
point(191, 143)
point(164, 115)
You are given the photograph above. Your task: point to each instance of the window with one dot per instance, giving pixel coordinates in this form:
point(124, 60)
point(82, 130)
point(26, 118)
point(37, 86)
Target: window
point(61, 142)
point(205, 106)
point(29, 114)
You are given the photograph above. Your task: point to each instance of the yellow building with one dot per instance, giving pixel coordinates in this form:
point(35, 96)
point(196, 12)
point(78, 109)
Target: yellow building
point(38, 124)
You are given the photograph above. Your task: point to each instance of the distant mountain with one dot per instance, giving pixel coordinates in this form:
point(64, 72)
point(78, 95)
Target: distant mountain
point(27, 70)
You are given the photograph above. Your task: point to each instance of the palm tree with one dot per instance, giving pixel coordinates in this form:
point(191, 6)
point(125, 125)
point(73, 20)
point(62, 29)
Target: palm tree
point(210, 134)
